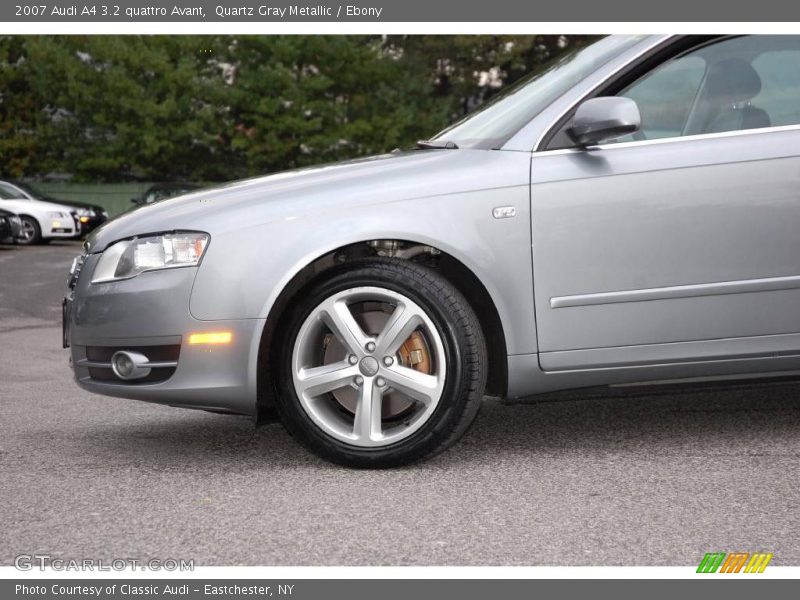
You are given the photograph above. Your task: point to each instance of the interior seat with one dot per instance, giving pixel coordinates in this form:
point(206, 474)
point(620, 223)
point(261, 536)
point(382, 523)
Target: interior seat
point(731, 84)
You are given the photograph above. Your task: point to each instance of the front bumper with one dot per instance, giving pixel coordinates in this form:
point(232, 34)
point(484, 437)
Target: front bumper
point(150, 314)
point(65, 230)
point(83, 228)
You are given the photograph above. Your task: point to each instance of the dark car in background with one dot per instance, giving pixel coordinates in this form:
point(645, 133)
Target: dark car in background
point(10, 227)
point(160, 191)
point(87, 217)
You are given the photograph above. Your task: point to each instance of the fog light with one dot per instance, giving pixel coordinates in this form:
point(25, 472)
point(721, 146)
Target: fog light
point(214, 337)
point(129, 365)
point(84, 219)
point(56, 224)
point(123, 365)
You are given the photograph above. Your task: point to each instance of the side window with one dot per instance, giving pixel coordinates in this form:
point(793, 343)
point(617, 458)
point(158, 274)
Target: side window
point(746, 82)
point(779, 71)
point(665, 97)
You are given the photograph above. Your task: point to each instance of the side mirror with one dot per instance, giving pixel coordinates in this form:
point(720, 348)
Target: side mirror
point(600, 120)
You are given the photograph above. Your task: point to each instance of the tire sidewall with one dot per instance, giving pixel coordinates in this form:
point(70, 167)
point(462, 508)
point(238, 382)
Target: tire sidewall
point(37, 232)
point(423, 441)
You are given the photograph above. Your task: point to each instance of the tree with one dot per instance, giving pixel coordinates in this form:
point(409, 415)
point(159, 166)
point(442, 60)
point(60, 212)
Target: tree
point(121, 106)
point(112, 108)
point(20, 117)
point(299, 100)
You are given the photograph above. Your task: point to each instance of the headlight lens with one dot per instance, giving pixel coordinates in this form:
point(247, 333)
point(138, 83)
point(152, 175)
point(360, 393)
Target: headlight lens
point(128, 258)
point(57, 215)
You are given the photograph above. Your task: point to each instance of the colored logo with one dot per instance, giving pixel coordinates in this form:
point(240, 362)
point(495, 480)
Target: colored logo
point(734, 562)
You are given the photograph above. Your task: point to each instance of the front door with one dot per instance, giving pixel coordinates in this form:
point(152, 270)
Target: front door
point(683, 242)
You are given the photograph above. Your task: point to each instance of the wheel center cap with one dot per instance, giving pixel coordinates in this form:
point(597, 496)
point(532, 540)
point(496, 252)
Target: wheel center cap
point(368, 366)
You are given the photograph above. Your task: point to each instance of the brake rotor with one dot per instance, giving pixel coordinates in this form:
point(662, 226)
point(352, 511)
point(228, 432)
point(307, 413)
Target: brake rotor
point(414, 354)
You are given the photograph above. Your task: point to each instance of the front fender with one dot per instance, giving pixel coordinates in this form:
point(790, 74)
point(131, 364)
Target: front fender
point(245, 270)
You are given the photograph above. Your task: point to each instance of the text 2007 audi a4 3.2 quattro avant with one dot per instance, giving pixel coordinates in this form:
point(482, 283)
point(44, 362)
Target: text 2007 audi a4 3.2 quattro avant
point(628, 215)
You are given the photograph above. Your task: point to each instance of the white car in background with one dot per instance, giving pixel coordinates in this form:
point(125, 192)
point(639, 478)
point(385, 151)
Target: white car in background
point(41, 221)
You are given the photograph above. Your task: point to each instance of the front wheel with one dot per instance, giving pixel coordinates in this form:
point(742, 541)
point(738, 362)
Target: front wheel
point(383, 363)
point(30, 233)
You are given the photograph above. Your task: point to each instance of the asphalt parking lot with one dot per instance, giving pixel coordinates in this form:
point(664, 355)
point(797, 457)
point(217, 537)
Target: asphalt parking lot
point(633, 480)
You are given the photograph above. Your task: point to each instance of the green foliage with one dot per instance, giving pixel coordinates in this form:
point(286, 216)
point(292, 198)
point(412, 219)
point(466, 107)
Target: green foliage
point(117, 108)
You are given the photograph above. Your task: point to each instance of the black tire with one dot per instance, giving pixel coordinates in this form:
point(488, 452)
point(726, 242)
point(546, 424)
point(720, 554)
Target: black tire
point(464, 347)
point(36, 237)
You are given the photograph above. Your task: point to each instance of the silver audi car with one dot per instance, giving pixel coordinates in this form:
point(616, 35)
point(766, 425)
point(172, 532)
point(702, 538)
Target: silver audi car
point(629, 215)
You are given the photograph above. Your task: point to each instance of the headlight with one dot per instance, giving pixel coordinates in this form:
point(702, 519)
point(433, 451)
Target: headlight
point(57, 215)
point(128, 258)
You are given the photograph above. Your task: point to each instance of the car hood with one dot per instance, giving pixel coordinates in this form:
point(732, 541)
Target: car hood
point(291, 194)
point(33, 206)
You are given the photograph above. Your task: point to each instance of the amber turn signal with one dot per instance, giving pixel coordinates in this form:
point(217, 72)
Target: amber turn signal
point(215, 337)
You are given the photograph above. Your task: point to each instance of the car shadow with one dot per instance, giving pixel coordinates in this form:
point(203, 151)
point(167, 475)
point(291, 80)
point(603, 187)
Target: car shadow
point(690, 422)
point(698, 422)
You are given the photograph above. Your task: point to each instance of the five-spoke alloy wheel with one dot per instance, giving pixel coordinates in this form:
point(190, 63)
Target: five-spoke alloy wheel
point(384, 364)
point(30, 233)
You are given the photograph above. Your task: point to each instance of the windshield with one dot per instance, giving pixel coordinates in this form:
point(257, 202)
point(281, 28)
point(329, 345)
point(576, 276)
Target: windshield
point(28, 191)
point(493, 123)
point(9, 192)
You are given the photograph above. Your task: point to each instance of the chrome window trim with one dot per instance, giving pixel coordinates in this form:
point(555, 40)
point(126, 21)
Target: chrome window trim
point(673, 139)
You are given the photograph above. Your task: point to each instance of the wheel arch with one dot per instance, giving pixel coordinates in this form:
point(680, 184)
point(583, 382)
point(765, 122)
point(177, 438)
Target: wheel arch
point(42, 229)
point(447, 265)
point(30, 216)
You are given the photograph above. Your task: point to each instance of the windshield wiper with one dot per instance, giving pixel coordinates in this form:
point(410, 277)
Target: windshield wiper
point(437, 145)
